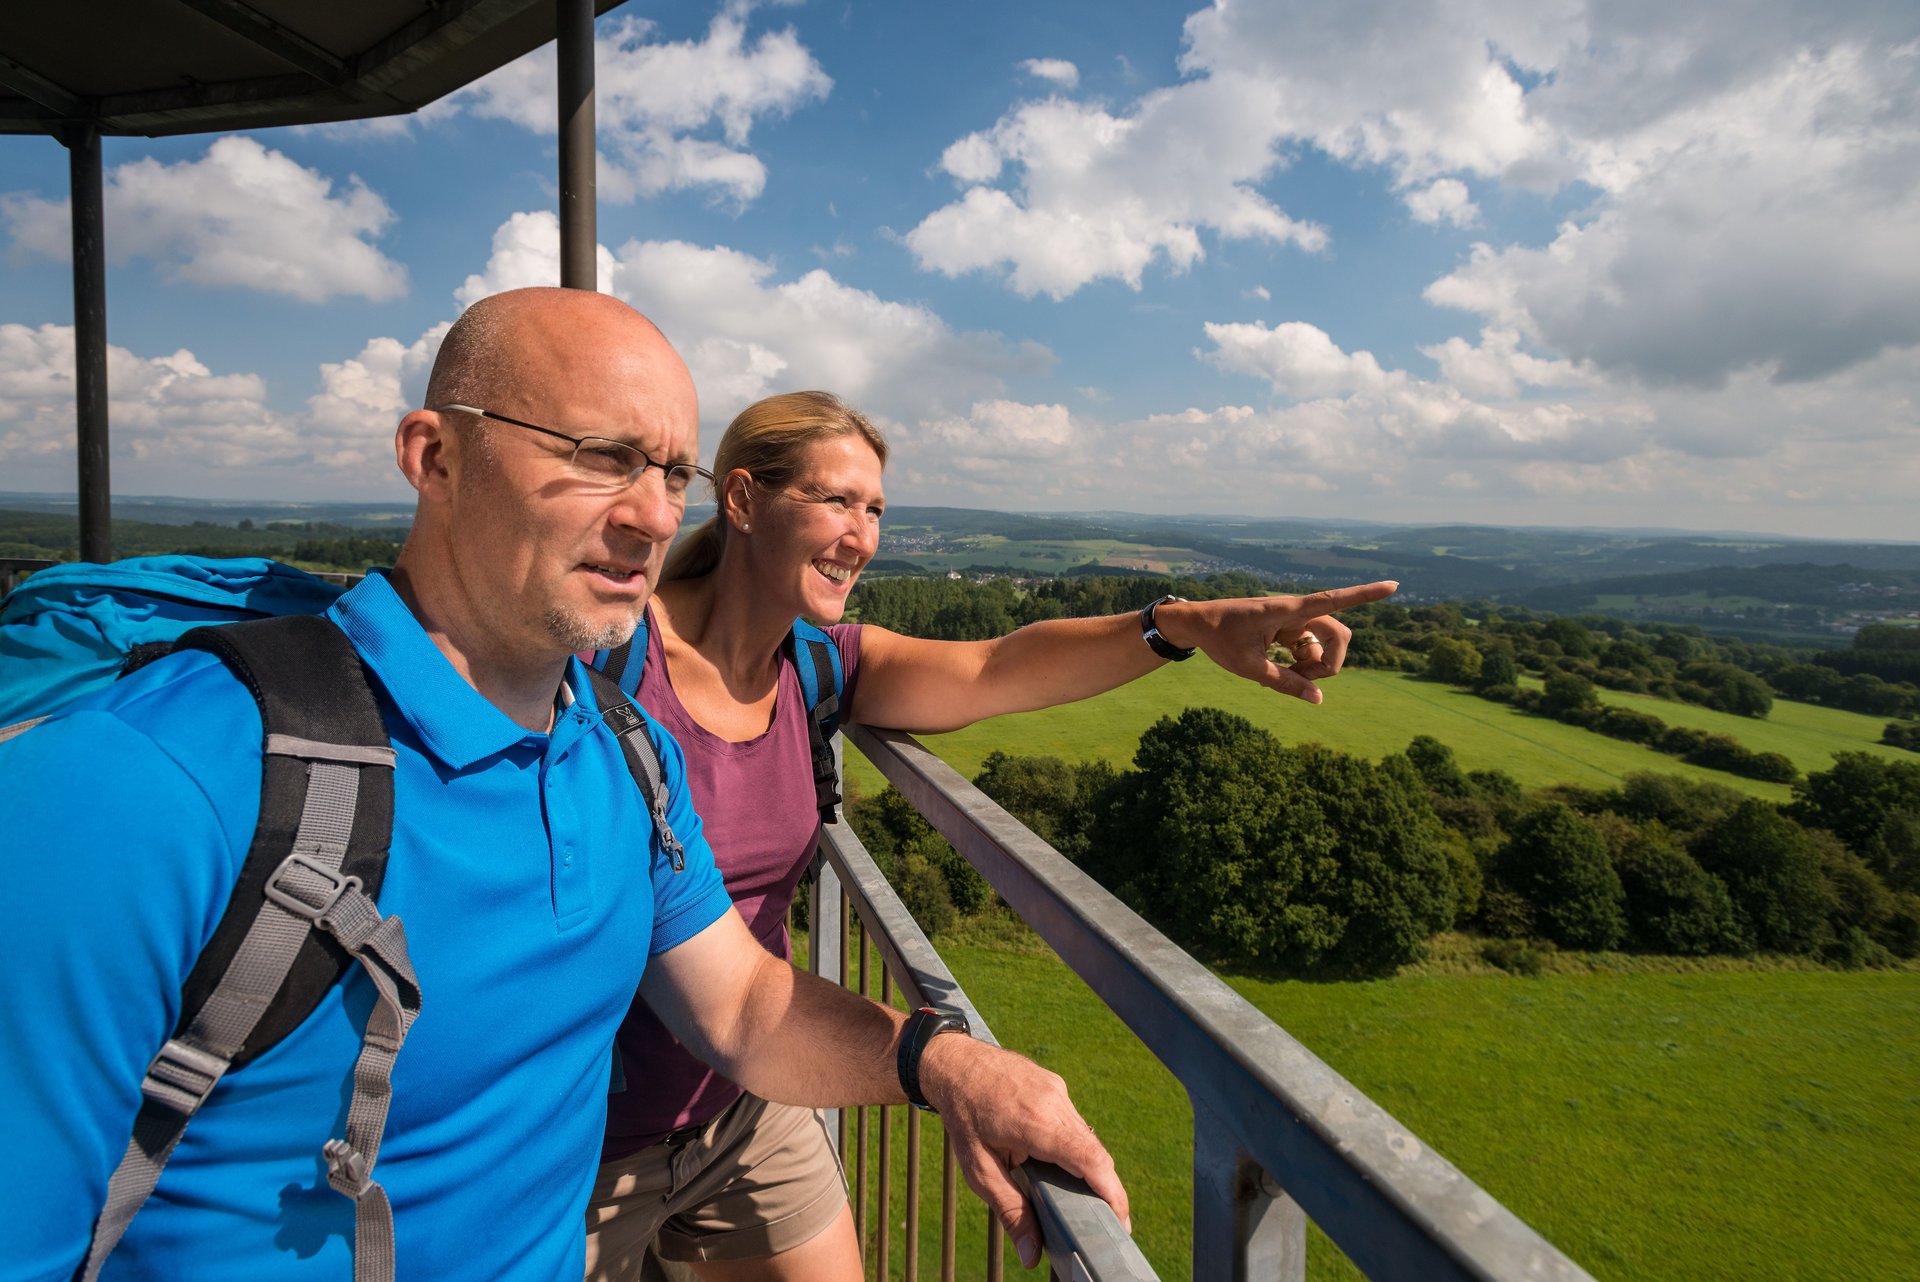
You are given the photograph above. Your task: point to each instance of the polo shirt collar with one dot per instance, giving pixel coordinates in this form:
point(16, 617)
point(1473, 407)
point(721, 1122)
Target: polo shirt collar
point(455, 722)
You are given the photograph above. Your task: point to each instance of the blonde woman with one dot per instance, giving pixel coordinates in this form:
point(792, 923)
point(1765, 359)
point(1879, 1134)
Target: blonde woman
point(727, 1183)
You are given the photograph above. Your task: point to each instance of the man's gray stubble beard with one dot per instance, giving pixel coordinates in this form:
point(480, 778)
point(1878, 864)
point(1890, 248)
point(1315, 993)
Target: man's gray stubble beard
point(574, 632)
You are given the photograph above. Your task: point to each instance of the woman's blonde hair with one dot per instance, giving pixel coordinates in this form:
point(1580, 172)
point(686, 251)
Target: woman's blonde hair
point(766, 440)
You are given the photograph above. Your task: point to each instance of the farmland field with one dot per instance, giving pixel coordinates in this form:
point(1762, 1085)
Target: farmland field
point(1706, 1126)
point(1371, 714)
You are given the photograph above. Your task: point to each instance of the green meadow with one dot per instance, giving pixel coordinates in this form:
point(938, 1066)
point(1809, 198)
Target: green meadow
point(1654, 1119)
point(1806, 733)
point(1708, 1125)
point(1372, 713)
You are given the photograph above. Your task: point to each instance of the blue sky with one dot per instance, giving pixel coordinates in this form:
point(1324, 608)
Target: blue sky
point(1513, 261)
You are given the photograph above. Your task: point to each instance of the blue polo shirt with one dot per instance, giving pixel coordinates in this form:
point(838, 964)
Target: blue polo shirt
point(532, 890)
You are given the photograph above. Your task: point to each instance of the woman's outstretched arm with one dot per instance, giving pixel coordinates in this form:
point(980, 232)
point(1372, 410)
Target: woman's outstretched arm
point(927, 686)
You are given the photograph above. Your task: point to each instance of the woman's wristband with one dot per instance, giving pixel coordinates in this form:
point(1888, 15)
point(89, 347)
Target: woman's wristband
point(1150, 633)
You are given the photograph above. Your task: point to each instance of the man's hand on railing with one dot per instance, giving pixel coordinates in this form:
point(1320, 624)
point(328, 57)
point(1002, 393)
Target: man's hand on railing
point(1237, 634)
point(1000, 1109)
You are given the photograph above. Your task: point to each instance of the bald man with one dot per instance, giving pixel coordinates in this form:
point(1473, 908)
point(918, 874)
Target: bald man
point(552, 472)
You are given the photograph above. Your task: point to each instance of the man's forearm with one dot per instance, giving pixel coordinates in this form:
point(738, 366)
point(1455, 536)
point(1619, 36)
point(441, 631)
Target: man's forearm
point(807, 1041)
point(796, 1038)
point(785, 1035)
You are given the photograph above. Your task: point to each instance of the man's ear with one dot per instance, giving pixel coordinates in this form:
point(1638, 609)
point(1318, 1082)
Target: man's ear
point(423, 447)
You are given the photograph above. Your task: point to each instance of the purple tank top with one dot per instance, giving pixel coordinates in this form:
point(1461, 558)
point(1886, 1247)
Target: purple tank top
point(757, 808)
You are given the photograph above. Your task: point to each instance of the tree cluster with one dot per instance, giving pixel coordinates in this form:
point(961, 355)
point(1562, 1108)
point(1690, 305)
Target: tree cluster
point(1310, 861)
point(1455, 643)
point(1571, 698)
point(1665, 865)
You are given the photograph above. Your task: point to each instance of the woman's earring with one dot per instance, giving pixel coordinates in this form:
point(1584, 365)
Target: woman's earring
point(745, 528)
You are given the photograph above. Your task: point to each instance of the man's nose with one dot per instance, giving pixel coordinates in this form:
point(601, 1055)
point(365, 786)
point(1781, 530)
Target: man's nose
point(645, 507)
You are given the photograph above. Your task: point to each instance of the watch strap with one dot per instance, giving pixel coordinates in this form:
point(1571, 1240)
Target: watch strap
point(923, 1026)
point(1150, 633)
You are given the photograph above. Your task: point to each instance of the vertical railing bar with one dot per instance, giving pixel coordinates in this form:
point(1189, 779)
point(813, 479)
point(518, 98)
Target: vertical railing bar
point(843, 977)
point(860, 1126)
point(825, 921)
point(1073, 1220)
point(949, 1211)
point(882, 1253)
point(913, 1195)
point(1245, 1227)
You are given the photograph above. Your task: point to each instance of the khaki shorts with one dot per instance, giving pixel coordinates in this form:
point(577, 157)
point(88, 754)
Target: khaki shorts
point(759, 1179)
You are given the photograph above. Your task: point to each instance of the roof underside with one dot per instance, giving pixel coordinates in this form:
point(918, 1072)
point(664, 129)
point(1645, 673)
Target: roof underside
point(159, 67)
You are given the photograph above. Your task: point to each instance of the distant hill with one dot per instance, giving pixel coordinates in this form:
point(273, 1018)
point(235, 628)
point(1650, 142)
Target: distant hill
point(1758, 583)
point(175, 511)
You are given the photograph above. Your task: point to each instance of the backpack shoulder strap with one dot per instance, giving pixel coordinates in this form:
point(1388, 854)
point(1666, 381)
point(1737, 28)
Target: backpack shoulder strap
point(624, 663)
point(301, 912)
point(816, 657)
point(642, 756)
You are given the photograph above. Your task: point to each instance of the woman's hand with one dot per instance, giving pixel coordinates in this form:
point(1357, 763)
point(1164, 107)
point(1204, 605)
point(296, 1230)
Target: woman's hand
point(1238, 634)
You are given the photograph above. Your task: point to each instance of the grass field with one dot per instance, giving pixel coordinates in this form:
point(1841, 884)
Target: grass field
point(1374, 713)
point(1806, 733)
point(1702, 1126)
point(1706, 1123)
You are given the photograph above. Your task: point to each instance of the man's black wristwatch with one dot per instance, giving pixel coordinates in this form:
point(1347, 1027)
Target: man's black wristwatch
point(1150, 631)
point(923, 1026)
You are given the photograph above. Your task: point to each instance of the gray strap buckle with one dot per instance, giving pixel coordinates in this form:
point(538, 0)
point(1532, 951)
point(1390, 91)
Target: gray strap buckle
point(347, 1168)
point(282, 891)
point(182, 1076)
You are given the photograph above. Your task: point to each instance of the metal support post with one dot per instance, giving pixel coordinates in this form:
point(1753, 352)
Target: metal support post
point(578, 233)
point(1245, 1228)
point(90, 343)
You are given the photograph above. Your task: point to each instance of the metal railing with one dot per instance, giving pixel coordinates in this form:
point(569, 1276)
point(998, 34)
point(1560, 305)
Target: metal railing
point(1279, 1137)
point(850, 902)
point(15, 569)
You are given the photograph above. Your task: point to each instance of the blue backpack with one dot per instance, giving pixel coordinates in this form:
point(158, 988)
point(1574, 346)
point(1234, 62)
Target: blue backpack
point(815, 656)
point(303, 912)
point(73, 628)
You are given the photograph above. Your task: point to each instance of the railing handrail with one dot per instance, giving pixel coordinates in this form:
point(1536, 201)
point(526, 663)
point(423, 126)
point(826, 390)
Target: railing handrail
point(1396, 1207)
point(1084, 1238)
point(15, 570)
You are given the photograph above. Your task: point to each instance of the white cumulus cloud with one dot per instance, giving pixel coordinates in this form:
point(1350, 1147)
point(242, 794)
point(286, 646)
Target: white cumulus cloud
point(169, 408)
point(175, 422)
point(242, 216)
point(1298, 359)
point(996, 431)
point(1444, 200)
point(671, 115)
point(1745, 179)
point(1053, 70)
point(1772, 223)
point(349, 423)
point(747, 332)
point(1550, 441)
point(1101, 196)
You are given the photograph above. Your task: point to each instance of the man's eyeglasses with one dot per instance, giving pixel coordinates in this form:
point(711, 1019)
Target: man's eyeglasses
point(601, 463)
